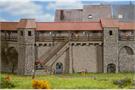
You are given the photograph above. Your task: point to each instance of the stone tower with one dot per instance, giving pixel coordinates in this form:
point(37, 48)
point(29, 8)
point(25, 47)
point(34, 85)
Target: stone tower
point(26, 49)
point(110, 46)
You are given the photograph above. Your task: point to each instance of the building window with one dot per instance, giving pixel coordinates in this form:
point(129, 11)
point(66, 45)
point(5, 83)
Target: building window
point(29, 33)
point(84, 33)
point(45, 44)
point(59, 32)
point(35, 44)
point(40, 44)
point(61, 15)
point(90, 16)
point(110, 33)
point(21, 33)
point(120, 16)
point(50, 33)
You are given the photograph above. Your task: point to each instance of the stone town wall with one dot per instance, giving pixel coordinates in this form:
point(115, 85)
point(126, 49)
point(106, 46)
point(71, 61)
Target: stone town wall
point(41, 50)
point(85, 58)
point(6, 65)
point(127, 58)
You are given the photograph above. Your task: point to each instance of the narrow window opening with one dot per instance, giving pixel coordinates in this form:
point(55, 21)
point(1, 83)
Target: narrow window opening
point(29, 33)
point(21, 33)
point(90, 16)
point(61, 15)
point(40, 44)
point(45, 44)
point(120, 16)
point(35, 45)
point(110, 32)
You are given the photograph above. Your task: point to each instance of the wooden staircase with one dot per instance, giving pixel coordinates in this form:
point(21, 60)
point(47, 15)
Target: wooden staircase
point(50, 57)
point(57, 54)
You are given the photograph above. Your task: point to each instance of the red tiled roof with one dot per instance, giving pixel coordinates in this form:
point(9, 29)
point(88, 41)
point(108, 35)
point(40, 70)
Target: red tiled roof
point(109, 23)
point(116, 23)
point(27, 23)
point(127, 26)
point(69, 26)
point(8, 25)
point(24, 23)
point(0, 25)
point(54, 26)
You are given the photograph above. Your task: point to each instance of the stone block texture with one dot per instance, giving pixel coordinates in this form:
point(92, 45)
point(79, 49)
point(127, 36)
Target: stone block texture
point(26, 50)
point(110, 46)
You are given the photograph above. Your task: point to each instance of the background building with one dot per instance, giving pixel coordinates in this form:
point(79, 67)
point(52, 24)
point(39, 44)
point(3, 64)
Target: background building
point(95, 12)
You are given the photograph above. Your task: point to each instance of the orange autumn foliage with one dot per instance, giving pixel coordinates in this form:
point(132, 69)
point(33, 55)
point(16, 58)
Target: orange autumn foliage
point(40, 84)
point(8, 78)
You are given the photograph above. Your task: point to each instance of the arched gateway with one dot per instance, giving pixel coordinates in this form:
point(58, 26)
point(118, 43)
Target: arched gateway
point(111, 68)
point(9, 59)
point(126, 59)
point(59, 68)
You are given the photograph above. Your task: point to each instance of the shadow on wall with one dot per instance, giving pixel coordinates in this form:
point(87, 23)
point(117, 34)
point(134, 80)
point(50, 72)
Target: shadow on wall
point(9, 59)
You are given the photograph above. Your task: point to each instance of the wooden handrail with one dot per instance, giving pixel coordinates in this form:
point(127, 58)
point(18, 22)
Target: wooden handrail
point(124, 38)
point(63, 38)
point(12, 38)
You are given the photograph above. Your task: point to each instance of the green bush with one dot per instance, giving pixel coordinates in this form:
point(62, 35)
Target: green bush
point(6, 82)
point(123, 82)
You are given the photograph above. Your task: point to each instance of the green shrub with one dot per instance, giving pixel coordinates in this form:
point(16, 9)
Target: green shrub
point(123, 82)
point(6, 82)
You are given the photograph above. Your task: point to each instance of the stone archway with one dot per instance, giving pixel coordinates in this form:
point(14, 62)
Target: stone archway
point(12, 57)
point(59, 68)
point(111, 68)
point(126, 59)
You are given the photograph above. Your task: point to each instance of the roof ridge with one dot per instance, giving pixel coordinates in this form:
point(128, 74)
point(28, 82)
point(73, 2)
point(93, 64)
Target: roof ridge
point(8, 22)
point(72, 22)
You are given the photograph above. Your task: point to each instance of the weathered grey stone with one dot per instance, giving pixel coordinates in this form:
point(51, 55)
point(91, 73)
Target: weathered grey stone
point(26, 50)
point(110, 46)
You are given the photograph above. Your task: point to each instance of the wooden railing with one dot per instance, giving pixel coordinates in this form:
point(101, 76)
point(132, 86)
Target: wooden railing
point(64, 38)
point(126, 38)
point(44, 68)
point(58, 38)
point(84, 38)
point(13, 38)
point(50, 39)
